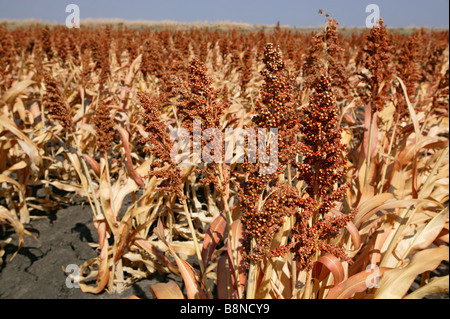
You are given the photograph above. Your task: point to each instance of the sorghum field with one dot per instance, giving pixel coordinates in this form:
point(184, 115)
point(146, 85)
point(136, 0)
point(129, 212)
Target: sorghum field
point(353, 204)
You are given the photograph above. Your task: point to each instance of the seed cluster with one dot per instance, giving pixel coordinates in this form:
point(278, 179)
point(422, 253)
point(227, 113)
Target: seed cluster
point(54, 101)
point(199, 105)
point(321, 168)
point(335, 55)
point(160, 145)
point(64, 46)
point(275, 109)
point(198, 99)
point(246, 69)
point(326, 56)
point(151, 59)
point(46, 42)
point(378, 56)
point(104, 127)
point(262, 224)
point(323, 163)
point(7, 54)
point(408, 69)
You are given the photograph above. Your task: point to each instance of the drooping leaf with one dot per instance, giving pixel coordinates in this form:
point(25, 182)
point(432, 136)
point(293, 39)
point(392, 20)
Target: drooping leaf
point(193, 289)
point(7, 217)
point(30, 148)
point(353, 231)
point(356, 283)
point(395, 282)
point(134, 174)
point(103, 262)
point(437, 285)
point(429, 232)
point(15, 90)
point(213, 236)
point(371, 204)
point(93, 163)
point(224, 285)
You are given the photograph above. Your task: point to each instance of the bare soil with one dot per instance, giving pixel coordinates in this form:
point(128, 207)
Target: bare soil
point(36, 271)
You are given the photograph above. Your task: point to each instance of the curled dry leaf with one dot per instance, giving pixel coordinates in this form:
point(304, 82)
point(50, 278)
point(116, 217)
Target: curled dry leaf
point(333, 265)
point(93, 163)
point(353, 231)
point(14, 91)
point(169, 290)
point(7, 217)
point(29, 147)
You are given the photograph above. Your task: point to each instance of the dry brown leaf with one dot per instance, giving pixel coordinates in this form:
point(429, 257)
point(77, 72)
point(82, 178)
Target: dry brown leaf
point(355, 284)
point(395, 283)
point(169, 290)
point(15, 90)
point(214, 234)
point(193, 289)
point(437, 285)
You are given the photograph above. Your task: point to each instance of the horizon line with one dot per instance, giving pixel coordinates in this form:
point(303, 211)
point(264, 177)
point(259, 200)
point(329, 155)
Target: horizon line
point(140, 22)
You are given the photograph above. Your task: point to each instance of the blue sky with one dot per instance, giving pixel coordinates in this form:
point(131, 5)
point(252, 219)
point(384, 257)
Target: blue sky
point(396, 13)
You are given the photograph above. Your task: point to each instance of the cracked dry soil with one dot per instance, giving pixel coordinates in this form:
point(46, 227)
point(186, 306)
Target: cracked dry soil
point(37, 269)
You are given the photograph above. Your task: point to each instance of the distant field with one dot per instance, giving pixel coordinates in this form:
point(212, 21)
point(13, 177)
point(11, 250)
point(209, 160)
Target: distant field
point(172, 25)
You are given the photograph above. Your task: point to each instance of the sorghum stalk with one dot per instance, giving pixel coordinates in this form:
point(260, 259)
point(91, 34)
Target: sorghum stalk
point(160, 145)
point(321, 168)
point(377, 60)
point(264, 197)
point(262, 189)
point(199, 103)
point(59, 110)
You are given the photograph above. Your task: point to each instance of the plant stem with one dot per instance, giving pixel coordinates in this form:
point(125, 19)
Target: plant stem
point(383, 174)
point(292, 220)
point(96, 205)
point(196, 247)
point(251, 282)
point(230, 233)
point(368, 153)
point(308, 287)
